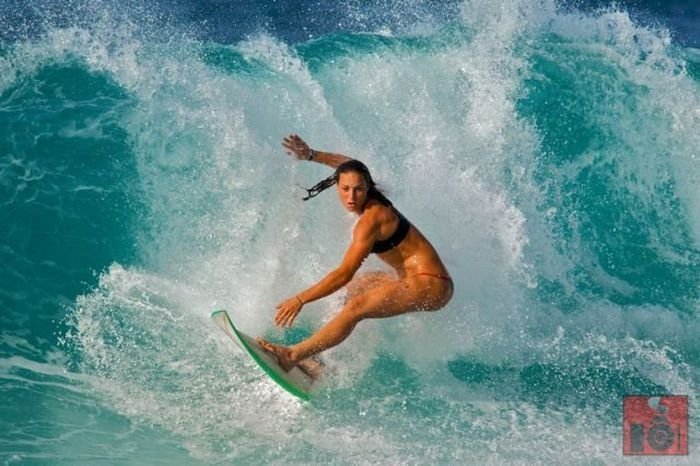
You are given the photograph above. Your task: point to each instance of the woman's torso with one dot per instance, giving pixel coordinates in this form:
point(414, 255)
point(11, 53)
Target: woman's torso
point(414, 254)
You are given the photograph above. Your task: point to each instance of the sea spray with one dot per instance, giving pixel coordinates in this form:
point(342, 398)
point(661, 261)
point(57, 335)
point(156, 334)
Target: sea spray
point(548, 154)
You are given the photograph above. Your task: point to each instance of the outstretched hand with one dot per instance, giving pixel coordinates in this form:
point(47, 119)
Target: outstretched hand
point(287, 311)
point(296, 147)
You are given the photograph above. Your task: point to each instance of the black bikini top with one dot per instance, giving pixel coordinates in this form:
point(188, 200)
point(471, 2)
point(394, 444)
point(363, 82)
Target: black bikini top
point(396, 238)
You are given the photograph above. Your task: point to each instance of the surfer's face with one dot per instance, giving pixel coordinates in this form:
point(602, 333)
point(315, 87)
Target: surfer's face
point(352, 189)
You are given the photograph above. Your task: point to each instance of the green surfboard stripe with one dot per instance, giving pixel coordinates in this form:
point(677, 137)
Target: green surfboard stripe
point(293, 389)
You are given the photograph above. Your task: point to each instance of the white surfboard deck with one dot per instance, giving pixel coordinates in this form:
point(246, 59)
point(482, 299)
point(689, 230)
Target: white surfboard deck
point(296, 381)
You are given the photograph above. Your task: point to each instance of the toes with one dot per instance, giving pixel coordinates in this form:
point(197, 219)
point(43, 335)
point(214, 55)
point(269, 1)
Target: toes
point(267, 347)
point(264, 344)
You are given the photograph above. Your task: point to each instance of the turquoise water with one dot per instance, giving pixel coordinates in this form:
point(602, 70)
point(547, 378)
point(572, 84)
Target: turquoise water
point(550, 155)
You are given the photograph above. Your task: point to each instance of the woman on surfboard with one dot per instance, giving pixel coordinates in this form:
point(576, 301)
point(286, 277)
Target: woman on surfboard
point(420, 281)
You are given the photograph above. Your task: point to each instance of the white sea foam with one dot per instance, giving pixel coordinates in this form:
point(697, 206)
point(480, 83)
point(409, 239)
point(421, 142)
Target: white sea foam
point(224, 227)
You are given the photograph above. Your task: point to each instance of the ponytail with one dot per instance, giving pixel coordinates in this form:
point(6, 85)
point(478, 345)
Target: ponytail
point(349, 166)
point(322, 185)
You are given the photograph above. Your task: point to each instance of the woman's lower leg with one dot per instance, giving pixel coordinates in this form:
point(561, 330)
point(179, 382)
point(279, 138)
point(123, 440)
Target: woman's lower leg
point(328, 336)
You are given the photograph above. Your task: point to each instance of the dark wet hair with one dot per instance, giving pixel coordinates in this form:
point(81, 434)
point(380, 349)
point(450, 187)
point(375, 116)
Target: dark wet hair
point(349, 166)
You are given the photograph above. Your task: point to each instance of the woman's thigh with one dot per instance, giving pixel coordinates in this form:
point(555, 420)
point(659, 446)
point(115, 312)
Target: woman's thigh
point(365, 282)
point(393, 297)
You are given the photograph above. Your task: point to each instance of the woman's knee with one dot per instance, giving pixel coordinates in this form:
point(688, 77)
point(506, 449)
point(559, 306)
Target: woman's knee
point(348, 318)
point(365, 306)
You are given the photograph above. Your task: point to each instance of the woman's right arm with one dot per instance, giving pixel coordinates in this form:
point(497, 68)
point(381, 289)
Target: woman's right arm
point(363, 238)
point(296, 147)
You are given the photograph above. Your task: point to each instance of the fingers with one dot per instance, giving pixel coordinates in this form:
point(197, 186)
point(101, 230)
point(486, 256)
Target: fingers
point(294, 145)
point(288, 141)
point(281, 318)
point(285, 320)
point(289, 321)
point(285, 315)
point(287, 144)
point(291, 141)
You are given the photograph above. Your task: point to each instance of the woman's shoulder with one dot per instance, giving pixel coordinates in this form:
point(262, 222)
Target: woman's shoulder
point(376, 206)
point(378, 211)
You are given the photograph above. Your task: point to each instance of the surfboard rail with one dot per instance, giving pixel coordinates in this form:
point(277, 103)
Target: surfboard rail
point(295, 381)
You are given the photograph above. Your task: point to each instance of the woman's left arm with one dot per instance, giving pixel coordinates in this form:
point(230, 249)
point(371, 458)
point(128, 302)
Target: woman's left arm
point(363, 239)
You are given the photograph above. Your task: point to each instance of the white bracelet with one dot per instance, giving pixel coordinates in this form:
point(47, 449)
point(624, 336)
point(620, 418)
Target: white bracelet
point(312, 154)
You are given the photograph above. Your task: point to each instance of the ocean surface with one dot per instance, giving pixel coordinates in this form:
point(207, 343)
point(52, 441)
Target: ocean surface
point(549, 150)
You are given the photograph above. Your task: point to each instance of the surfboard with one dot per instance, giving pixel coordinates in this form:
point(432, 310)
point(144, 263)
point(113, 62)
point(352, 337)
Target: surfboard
point(295, 381)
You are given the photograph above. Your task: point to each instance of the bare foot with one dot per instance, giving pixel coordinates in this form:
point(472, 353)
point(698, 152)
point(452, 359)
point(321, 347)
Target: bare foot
point(281, 354)
point(309, 366)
